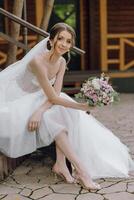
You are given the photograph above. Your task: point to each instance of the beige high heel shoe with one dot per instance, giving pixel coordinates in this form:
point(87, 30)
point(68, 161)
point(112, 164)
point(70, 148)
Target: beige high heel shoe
point(93, 186)
point(61, 175)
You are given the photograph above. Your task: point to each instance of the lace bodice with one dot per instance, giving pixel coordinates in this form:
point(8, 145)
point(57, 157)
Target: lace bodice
point(36, 83)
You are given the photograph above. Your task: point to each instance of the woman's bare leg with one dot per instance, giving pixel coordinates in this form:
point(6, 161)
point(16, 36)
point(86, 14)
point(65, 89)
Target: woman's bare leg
point(60, 166)
point(64, 145)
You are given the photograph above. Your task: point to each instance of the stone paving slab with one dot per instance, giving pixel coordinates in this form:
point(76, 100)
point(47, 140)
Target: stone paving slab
point(34, 180)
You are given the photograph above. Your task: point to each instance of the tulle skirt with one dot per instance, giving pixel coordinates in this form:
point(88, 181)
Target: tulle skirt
point(97, 147)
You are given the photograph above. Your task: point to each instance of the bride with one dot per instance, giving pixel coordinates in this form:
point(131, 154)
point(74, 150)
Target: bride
point(34, 113)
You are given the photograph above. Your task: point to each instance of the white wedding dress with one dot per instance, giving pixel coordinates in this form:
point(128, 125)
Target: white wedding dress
point(102, 153)
point(20, 95)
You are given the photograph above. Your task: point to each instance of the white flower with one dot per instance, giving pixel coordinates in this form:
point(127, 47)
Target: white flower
point(96, 83)
point(104, 95)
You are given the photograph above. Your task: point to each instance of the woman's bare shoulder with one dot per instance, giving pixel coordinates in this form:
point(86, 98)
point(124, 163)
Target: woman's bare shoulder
point(36, 62)
point(37, 59)
point(63, 63)
point(63, 60)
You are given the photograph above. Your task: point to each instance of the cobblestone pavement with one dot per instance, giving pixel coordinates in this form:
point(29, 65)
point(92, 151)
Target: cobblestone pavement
point(33, 179)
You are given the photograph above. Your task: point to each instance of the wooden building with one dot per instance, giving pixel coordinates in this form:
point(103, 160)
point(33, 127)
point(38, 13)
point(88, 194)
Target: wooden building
point(104, 28)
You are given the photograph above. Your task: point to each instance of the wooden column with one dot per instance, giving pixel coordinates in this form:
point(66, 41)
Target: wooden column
point(39, 11)
point(92, 35)
point(6, 19)
point(103, 33)
point(82, 34)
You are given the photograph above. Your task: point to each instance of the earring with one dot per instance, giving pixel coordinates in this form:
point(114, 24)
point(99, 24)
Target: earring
point(50, 44)
point(69, 58)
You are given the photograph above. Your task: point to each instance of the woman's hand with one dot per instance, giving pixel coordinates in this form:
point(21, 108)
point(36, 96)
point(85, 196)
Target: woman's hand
point(34, 121)
point(86, 107)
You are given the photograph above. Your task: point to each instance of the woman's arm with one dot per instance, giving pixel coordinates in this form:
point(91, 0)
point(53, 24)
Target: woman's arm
point(57, 86)
point(41, 73)
point(59, 77)
point(35, 119)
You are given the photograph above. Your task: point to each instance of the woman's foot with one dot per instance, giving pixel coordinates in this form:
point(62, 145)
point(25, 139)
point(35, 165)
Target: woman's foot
point(62, 171)
point(86, 182)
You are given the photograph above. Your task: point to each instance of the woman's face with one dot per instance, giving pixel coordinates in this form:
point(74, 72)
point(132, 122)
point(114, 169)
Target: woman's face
point(63, 42)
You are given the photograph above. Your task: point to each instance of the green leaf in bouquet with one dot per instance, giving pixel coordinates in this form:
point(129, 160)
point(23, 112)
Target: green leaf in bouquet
point(116, 97)
point(79, 95)
point(100, 104)
point(90, 102)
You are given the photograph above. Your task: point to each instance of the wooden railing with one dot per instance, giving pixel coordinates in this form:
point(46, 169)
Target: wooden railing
point(123, 39)
point(106, 46)
point(31, 42)
point(29, 26)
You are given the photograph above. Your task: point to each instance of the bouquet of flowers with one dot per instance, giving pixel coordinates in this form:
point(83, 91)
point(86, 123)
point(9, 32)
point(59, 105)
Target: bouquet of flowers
point(98, 91)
